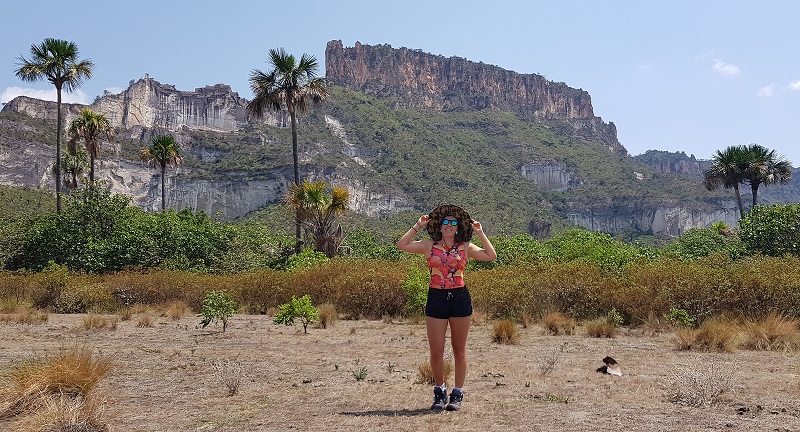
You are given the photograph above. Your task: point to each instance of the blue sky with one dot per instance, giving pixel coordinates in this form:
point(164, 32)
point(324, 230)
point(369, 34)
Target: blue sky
point(692, 76)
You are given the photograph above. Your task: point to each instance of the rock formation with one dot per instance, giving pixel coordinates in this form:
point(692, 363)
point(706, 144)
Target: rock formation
point(424, 80)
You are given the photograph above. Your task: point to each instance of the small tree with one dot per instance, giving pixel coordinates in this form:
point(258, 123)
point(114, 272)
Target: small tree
point(297, 308)
point(217, 305)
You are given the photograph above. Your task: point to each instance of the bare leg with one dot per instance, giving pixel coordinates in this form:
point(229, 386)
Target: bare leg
point(459, 329)
point(437, 329)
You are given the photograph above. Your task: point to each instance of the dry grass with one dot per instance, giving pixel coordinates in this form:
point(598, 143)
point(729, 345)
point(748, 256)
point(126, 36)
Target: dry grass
point(145, 321)
point(177, 309)
point(557, 323)
point(718, 334)
point(526, 320)
point(25, 316)
point(773, 333)
point(62, 413)
point(701, 384)
point(327, 315)
point(425, 373)
point(163, 380)
point(99, 322)
point(601, 328)
point(230, 373)
point(655, 324)
point(505, 332)
point(125, 314)
point(73, 373)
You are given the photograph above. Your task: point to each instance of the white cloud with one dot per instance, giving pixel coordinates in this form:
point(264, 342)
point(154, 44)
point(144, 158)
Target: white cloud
point(795, 85)
point(766, 91)
point(725, 68)
point(50, 94)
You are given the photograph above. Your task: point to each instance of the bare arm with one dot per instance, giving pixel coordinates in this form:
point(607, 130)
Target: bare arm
point(407, 242)
point(487, 252)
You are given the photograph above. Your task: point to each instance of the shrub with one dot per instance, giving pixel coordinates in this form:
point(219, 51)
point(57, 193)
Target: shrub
point(306, 259)
point(601, 328)
point(679, 317)
point(700, 385)
point(772, 230)
point(700, 242)
point(557, 323)
point(297, 308)
point(176, 309)
point(145, 321)
point(25, 316)
point(505, 332)
point(415, 286)
point(230, 373)
point(217, 306)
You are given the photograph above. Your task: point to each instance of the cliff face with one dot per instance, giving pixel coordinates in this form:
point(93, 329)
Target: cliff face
point(455, 84)
point(149, 104)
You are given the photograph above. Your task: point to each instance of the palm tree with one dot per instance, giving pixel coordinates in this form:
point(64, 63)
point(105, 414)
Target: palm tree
point(766, 168)
point(73, 167)
point(88, 126)
point(289, 84)
point(165, 152)
point(57, 61)
point(317, 210)
point(728, 170)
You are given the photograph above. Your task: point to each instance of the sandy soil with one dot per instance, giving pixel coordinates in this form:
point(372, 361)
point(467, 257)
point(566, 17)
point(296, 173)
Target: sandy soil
point(163, 379)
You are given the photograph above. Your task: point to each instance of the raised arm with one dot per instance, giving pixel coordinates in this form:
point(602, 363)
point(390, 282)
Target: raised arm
point(407, 242)
point(487, 252)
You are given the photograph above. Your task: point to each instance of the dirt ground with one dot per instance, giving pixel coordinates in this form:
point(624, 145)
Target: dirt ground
point(163, 379)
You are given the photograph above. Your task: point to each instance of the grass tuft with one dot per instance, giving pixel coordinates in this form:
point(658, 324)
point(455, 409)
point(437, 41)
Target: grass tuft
point(425, 373)
point(505, 332)
point(73, 373)
point(557, 323)
point(145, 321)
point(718, 334)
point(327, 315)
point(701, 384)
point(25, 316)
point(99, 322)
point(773, 333)
point(601, 328)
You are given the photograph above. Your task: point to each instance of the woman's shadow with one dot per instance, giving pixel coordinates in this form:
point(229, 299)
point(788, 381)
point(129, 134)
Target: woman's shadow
point(392, 413)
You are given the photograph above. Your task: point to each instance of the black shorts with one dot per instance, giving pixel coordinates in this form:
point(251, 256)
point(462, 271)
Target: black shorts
point(448, 303)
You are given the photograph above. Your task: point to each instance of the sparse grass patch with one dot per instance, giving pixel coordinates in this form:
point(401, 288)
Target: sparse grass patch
point(99, 322)
point(62, 413)
point(700, 385)
point(505, 332)
point(773, 333)
point(425, 373)
point(125, 314)
point(230, 373)
point(25, 316)
point(547, 362)
point(327, 315)
point(718, 334)
point(557, 323)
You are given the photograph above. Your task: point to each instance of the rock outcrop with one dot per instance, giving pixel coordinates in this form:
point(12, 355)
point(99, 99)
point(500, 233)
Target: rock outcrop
point(424, 80)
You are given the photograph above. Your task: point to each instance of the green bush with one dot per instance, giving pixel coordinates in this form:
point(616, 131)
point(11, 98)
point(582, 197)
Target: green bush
point(598, 248)
point(297, 309)
point(217, 306)
point(415, 286)
point(700, 242)
point(772, 230)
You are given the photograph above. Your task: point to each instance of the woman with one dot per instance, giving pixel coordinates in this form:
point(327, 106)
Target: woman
point(450, 229)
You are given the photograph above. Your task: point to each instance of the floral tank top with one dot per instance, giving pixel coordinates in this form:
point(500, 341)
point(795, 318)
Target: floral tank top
point(447, 266)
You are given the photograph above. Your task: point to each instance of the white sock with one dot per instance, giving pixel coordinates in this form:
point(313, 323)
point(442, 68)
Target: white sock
point(442, 388)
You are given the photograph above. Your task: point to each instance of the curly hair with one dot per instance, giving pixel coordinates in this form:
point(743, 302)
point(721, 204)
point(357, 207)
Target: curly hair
point(434, 227)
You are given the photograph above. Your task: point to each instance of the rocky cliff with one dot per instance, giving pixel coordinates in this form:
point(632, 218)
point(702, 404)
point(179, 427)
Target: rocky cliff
point(424, 80)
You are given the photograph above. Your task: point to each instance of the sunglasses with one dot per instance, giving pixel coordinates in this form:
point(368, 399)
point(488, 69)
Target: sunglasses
point(450, 222)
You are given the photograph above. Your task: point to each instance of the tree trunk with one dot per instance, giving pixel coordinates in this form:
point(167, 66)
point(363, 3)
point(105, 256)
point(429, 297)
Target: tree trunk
point(91, 168)
point(739, 201)
point(163, 187)
point(296, 162)
point(58, 151)
point(755, 194)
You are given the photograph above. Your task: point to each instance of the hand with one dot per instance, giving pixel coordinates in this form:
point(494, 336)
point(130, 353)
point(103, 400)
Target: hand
point(423, 221)
point(477, 227)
